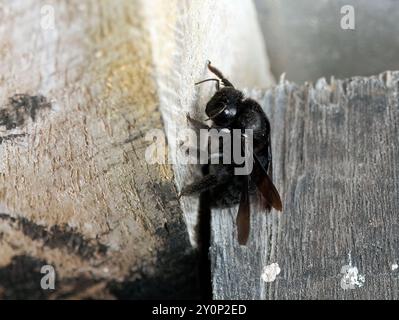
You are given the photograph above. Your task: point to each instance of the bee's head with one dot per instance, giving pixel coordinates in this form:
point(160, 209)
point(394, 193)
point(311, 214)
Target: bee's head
point(223, 106)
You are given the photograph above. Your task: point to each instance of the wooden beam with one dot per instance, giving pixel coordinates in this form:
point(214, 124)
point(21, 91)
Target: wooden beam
point(336, 164)
point(77, 97)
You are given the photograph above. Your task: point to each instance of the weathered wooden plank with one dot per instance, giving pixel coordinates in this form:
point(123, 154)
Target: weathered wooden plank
point(336, 164)
point(76, 191)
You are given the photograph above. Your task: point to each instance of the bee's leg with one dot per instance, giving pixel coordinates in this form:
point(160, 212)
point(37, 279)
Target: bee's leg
point(199, 153)
point(200, 125)
point(205, 183)
point(196, 123)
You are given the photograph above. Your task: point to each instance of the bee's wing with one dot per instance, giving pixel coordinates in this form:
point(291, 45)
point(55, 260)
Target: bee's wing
point(243, 220)
point(266, 187)
point(270, 158)
point(269, 168)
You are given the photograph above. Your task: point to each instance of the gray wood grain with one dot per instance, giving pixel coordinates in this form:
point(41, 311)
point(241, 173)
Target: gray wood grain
point(336, 165)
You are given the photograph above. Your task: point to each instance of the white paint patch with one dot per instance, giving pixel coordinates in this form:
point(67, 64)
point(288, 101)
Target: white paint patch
point(351, 277)
point(394, 266)
point(270, 272)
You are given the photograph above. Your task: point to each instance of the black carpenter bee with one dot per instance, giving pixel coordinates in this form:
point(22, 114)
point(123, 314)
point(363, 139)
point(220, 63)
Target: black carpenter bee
point(228, 109)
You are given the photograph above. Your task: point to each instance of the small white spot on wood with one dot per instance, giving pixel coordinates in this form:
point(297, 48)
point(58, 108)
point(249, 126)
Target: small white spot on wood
point(351, 277)
point(270, 272)
point(394, 266)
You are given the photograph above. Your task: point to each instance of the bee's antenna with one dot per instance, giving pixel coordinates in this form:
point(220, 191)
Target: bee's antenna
point(220, 75)
point(212, 79)
point(217, 113)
